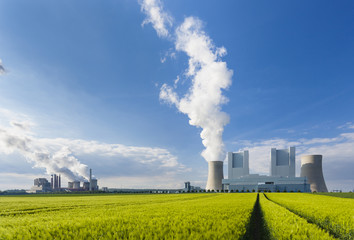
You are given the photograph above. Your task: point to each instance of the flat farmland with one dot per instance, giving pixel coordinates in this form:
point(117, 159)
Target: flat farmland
point(177, 216)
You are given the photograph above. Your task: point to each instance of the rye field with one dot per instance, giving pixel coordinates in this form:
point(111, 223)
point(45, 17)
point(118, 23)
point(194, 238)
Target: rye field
point(177, 216)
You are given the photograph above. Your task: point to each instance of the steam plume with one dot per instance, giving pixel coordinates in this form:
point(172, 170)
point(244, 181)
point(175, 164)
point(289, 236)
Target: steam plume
point(209, 76)
point(55, 159)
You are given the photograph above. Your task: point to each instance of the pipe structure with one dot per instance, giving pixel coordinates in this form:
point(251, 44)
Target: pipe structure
point(90, 188)
point(215, 175)
point(311, 167)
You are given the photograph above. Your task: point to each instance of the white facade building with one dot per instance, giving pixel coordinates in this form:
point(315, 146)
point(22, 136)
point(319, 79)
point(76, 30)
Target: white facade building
point(282, 162)
point(282, 174)
point(238, 164)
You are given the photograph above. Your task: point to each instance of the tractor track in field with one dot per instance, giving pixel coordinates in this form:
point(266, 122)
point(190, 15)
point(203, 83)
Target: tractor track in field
point(257, 228)
point(334, 235)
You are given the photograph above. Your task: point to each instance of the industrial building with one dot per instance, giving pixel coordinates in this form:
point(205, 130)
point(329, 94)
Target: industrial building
point(282, 162)
point(189, 188)
point(282, 173)
point(90, 185)
point(55, 182)
point(42, 185)
point(239, 163)
point(76, 185)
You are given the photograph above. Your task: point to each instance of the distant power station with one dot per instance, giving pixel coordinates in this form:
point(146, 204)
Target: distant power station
point(282, 173)
point(42, 185)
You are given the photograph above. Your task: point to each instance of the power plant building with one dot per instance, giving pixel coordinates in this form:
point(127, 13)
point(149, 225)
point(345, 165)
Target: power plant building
point(238, 164)
point(282, 162)
point(43, 185)
point(94, 186)
point(40, 185)
point(188, 187)
point(90, 185)
point(86, 186)
point(76, 184)
point(55, 182)
point(282, 174)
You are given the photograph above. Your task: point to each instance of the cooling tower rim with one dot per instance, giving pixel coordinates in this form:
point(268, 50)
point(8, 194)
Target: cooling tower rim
point(312, 155)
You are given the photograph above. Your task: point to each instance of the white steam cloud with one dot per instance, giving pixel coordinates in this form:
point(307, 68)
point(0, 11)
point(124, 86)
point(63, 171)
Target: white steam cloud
point(55, 159)
point(61, 155)
point(156, 16)
point(209, 77)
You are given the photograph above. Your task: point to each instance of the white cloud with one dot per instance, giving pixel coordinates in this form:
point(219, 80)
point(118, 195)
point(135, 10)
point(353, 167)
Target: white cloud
point(73, 157)
point(9, 180)
point(347, 125)
point(168, 54)
point(159, 19)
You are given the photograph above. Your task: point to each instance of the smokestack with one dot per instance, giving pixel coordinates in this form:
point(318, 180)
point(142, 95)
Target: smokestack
point(51, 182)
point(311, 167)
point(59, 181)
point(215, 175)
point(56, 181)
point(90, 179)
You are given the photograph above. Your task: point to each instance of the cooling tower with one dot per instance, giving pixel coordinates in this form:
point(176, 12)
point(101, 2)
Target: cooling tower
point(311, 167)
point(76, 185)
point(215, 176)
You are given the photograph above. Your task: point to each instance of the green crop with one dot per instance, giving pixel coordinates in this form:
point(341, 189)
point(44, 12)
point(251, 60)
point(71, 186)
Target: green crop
point(283, 224)
point(174, 216)
point(169, 216)
point(338, 194)
point(333, 214)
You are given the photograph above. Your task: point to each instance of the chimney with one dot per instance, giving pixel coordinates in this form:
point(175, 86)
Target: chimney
point(90, 179)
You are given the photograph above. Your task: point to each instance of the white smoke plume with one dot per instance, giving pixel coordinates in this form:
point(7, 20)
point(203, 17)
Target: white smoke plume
point(209, 77)
point(55, 159)
point(156, 16)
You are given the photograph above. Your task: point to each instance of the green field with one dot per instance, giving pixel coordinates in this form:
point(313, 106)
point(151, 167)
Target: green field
point(177, 216)
point(339, 194)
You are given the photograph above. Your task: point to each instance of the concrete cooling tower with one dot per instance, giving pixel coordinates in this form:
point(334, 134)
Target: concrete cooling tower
point(311, 167)
point(215, 176)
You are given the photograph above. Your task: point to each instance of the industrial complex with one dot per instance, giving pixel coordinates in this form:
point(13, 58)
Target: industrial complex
point(282, 173)
point(281, 177)
point(42, 185)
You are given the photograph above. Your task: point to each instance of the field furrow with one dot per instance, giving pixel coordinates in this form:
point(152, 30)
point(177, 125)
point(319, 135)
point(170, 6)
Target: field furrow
point(336, 215)
point(283, 224)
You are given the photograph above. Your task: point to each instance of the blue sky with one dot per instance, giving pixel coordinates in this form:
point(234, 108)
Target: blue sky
point(86, 75)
